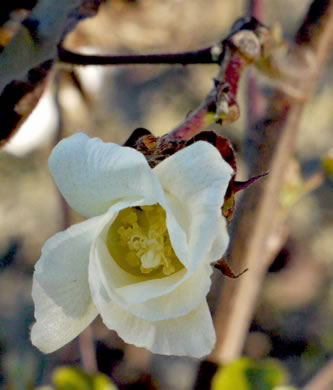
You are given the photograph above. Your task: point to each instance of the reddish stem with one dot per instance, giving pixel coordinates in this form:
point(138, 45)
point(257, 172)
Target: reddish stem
point(243, 46)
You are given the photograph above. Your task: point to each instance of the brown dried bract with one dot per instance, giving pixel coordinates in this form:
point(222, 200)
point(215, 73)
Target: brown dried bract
point(156, 149)
point(225, 268)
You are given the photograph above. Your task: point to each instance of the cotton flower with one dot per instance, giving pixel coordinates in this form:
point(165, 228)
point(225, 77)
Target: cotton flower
point(142, 258)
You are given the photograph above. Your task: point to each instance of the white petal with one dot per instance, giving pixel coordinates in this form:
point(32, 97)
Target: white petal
point(190, 335)
point(63, 304)
point(152, 300)
point(197, 178)
point(220, 243)
point(180, 301)
point(92, 174)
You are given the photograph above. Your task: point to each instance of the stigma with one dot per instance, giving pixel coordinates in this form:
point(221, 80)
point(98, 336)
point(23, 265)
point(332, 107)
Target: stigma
point(139, 242)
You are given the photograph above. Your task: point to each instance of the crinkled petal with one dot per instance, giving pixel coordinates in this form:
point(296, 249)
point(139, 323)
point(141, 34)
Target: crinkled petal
point(60, 290)
point(196, 178)
point(92, 175)
point(156, 299)
point(190, 335)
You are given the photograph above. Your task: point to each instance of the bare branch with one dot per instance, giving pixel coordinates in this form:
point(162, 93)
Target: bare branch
point(248, 41)
point(204, 56)
point(87, 351)
point(270, 146)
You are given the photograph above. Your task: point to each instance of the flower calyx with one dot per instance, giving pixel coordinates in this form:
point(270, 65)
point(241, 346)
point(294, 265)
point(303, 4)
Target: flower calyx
point(156, 149)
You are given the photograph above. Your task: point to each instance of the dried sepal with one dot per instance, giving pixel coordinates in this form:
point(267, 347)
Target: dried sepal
point(156, 149)
point(223, 266)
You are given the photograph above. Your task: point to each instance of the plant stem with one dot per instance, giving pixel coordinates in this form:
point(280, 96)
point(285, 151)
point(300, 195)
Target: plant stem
point(270, 147)
point(245, 44)
point(204, 56)
point(87, 351)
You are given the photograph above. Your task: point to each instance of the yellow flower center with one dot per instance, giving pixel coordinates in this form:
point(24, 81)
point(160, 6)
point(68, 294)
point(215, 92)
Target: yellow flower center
point(139, 242)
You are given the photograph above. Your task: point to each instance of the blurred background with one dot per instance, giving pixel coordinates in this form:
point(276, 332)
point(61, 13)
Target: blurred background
point(293, 321)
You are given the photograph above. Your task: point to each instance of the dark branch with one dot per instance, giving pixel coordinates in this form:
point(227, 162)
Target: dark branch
point(204, 56)
point(210, 55)
point(313, 22)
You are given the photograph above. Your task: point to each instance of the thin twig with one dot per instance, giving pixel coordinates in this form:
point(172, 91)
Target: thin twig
point(257, 9)
point(204, 56)
point(247, 42)
point(270, 148)
point(87, 351)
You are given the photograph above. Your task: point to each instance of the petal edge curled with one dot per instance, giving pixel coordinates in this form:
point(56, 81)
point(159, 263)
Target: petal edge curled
point(197, 177)
point(91, 174)
point(190, 335)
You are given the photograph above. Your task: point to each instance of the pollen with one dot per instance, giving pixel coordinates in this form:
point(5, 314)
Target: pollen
point(139, 242)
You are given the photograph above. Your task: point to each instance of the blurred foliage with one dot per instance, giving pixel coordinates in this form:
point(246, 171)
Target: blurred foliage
point(327, 163)
point(69, 378)
point(250, 374)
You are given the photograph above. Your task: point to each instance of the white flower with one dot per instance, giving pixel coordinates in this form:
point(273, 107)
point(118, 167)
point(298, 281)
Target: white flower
point(142, 259)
